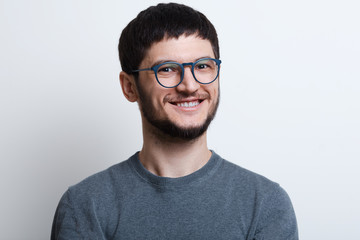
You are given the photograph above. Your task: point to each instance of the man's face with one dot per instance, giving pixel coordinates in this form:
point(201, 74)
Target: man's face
point(167, 109)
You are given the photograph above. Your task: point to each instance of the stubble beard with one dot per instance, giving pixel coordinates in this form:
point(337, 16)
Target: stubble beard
point(169, 129)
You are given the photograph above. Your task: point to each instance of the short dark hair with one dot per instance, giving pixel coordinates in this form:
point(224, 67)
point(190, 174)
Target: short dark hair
point(155, 23)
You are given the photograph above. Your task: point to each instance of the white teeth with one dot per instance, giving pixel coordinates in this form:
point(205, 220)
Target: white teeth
point(188, 104)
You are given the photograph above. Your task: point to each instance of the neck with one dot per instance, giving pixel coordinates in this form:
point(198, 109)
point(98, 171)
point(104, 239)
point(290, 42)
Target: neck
point(169, 157)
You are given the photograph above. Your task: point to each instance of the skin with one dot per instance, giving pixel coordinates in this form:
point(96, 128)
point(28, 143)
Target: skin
point(162, 154)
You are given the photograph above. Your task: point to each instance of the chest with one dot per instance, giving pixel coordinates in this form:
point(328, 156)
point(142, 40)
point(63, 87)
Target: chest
point(183, 214)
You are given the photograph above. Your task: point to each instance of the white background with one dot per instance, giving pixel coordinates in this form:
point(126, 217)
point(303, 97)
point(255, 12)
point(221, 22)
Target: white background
point(289, 107)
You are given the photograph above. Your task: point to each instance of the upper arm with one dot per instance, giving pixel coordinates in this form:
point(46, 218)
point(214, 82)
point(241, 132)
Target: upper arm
point(277, 219)
point(64, 224)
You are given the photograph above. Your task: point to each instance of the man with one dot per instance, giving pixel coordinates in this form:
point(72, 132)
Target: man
point(175, 187)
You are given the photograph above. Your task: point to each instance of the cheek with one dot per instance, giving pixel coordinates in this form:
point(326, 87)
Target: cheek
point(150, 93)
point(213, 90)
point(156, 99)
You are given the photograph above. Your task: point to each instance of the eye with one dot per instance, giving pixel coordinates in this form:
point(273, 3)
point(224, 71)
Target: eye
point(201, 66)
point(168, 68)
point(205, 64)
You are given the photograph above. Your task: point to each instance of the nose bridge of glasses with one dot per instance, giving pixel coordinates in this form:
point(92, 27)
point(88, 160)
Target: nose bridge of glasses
point(191, 65)
point(187, 64)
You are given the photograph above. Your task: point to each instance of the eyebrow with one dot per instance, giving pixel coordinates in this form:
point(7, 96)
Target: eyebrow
point(169, 60)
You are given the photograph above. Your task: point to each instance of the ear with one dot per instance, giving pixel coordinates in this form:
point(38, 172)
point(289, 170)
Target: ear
point(128, 86)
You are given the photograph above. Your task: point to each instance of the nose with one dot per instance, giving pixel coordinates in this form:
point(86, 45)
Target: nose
point(189, 84)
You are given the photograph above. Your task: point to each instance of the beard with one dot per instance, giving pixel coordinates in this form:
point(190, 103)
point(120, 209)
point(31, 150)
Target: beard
point(169, 128)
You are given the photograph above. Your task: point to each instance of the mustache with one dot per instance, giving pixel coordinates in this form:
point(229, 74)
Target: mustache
point(183, 97)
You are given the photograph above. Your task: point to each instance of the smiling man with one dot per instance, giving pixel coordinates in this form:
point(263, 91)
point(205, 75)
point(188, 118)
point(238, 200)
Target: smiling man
point(175, 187)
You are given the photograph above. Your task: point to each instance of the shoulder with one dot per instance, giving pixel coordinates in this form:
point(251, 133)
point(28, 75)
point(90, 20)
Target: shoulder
point(271, 206)
point(92, 202)
point(102, 185)
point(252, 187)
point(246, 179)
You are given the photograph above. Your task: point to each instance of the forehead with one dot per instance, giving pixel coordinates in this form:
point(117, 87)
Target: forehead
point(182, 49)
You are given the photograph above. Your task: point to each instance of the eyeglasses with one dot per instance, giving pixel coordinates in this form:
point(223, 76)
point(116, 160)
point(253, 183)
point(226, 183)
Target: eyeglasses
point(171, 74)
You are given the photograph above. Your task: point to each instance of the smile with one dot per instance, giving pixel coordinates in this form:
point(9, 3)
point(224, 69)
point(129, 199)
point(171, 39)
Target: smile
point(188, 104)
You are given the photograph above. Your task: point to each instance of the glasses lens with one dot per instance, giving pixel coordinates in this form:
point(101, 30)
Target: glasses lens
point(206, 70)
point(169, 74)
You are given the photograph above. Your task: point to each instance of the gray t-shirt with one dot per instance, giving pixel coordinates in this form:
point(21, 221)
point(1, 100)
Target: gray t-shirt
point(219, 201)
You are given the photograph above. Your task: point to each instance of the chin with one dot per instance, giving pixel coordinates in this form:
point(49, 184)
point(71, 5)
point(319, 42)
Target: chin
point(170, 129)
point(189, 122)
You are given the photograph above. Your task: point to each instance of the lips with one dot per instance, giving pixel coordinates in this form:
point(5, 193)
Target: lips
point(188, 104)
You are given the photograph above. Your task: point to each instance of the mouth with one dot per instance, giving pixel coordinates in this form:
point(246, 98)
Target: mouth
point(192, 103)
point(188, 104)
